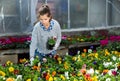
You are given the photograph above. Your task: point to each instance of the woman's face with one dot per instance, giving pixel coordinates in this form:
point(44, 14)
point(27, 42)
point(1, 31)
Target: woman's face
point(44, 19)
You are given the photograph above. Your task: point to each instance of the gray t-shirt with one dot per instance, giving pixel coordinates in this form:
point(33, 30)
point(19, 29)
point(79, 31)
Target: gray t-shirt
point(40, 36)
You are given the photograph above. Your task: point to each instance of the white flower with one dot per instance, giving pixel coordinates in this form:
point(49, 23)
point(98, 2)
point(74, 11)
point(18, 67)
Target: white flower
point(119, 59)
point(107, 64)
point(31, 60)
point(108, 79)
point(110, 63)
point(110, 72)
point(90, 71)
point(66, 75)
point(96, 71)
point(39, 64)
point(2, 78)
point(116, 68)
point(67, 53)
point(44, 60)
point(19, 77)
point(114, 58)
point(89, 50)
point(78, 52)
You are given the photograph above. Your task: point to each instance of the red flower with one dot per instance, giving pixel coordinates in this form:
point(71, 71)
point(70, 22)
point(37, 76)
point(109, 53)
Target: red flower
point(3, 41)
point(104, 42)
point(28, 38)
point(13, 39)
point(118, 67)
point(16, 72)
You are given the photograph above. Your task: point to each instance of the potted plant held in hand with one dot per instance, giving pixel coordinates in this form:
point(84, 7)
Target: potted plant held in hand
point(51, 43)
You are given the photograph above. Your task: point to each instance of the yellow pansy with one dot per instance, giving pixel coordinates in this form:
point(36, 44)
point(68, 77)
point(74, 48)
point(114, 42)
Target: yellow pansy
point(62, 77)
point(78, 59)
point(59, 59)
point(75, 79)
point(106, 52)
point(60, 62)
point(96, 55)
point(74, 58)
point(78, 74)
point(82, 40)
point(2, 73)
point(66, 65)
point(55, 78)
point(108, 59)
point(94, 78)
point(50, 79)
point(91, 54)
point(9, 63)
point(11, 69)
point(28, 79)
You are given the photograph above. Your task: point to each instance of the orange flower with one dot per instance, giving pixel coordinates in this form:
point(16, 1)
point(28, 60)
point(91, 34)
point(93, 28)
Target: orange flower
point(107, 52)
point(53, 73)
point(87, 77)
point(35, 67)
point(10, 79)
point(21, 60)
point(83, 55)
point(105, 71)
point(83, 71)
point(84, 50)
point(47, 77)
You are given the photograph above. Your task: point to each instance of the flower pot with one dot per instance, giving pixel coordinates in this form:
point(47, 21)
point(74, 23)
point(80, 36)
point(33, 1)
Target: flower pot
point(50, 43)
point(50, 47)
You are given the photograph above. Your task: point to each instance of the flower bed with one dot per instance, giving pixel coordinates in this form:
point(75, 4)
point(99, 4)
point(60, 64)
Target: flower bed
point(89, 65)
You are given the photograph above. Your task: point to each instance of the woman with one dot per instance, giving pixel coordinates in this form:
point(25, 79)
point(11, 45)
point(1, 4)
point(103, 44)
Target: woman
point(45, 28)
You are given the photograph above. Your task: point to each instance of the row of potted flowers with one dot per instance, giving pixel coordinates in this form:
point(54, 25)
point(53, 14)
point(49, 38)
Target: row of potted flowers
point(24, 41)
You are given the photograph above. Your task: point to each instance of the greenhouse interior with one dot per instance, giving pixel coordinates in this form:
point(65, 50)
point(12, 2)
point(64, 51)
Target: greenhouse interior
point(89, 49)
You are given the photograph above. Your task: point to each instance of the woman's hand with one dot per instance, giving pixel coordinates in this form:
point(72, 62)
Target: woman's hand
point(54, 52)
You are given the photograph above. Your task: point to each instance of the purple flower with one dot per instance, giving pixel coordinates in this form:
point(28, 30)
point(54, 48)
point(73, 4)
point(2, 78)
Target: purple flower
point(114, 72)
point(91, 47)
point(64, 37)
point(94, 62)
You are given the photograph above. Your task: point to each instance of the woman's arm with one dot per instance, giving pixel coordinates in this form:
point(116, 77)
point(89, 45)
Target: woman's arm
point(33, 45)
point(58, 40)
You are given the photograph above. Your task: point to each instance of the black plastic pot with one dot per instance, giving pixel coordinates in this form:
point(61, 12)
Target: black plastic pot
point(49, 46)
